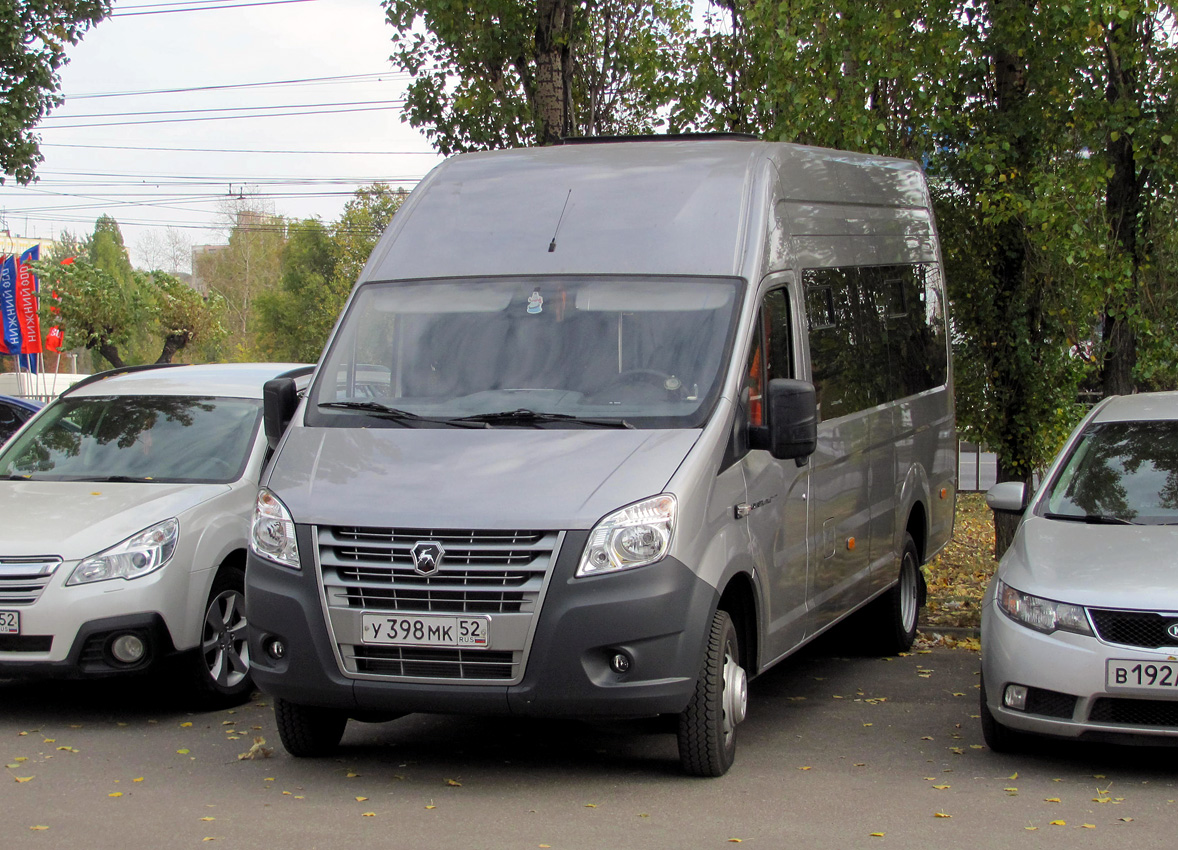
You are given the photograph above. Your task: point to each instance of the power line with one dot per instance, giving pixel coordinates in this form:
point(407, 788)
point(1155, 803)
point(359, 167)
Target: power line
point(374, 78)
point(222, 117)
point(202, 8)
point(240, 150)
point(395, 102)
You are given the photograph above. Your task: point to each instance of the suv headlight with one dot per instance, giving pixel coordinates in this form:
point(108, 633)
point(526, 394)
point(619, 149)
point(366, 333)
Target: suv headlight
point(272, 533)
point(1042, 615)
point(632, 537)
point(136, 556)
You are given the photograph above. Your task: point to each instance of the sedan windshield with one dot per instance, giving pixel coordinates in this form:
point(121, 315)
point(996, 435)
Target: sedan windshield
point(1120, 472)
point(136, 438)
point(528, 353)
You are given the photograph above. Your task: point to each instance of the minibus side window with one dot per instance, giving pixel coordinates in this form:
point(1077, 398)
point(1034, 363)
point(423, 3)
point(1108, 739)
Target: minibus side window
point(770, 356)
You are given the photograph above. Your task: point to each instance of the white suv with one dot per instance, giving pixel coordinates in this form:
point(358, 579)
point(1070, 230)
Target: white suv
point(125, 509)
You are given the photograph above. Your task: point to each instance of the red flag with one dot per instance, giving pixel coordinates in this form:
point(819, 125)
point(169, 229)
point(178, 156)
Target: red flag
point(53, 339)
point(26, 302)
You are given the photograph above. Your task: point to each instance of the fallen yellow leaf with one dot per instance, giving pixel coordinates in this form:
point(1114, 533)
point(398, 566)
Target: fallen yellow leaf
point(206, 819)
point(115, 794)
point(185, 724)
point(137, 779)
point(877, 835)
point(1014, 775)
point(454, 782)
point(361, 799)
point(184, 752)
point(1087, 826)
point(23, 778)
point(805, 767)
point(941, 815)
point(38, 828)
point(1051, 799)
point(1059, 823)
point(373, 814)
point(941, 787)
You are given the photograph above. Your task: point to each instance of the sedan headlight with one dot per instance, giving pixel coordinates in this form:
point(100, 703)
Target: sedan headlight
point(1042, 615)
point(632, 537)
point(136, 556)
point(272, 533)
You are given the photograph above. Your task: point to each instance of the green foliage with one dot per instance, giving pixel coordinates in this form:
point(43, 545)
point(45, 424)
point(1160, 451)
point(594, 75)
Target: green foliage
point(33, 39)
point(508, 73)
point(184, 317)
point(319, 267)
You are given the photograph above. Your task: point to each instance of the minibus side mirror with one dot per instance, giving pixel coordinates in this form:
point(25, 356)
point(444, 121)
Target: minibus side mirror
point(793, 419)
point(280, 398)
point(1007, 497)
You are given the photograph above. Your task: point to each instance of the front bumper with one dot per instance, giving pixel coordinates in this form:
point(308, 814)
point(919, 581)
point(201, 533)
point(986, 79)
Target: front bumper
point(658, 615)
point(1065, 674)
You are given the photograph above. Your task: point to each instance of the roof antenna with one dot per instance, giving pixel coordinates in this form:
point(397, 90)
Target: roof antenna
point(552, 244)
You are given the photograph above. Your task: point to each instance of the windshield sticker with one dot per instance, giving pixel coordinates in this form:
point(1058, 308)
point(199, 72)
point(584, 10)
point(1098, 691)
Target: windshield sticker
point(535, 303)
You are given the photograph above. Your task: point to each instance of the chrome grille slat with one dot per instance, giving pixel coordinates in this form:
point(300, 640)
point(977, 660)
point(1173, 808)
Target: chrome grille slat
point(22, 579)
point(482, 572)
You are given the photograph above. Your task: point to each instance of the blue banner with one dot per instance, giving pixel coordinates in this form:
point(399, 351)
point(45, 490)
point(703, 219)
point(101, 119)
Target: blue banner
point(9, 320)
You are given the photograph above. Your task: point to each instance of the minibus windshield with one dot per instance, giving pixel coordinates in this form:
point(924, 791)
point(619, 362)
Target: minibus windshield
point(556, 352)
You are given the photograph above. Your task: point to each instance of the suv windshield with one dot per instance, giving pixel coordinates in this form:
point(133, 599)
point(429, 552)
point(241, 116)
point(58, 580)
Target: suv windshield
point(579, 352)
point(1120, 472)
point(136, 438)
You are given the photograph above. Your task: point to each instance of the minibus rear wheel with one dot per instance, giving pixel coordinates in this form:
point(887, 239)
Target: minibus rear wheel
point(898, 610)
point(707, 727)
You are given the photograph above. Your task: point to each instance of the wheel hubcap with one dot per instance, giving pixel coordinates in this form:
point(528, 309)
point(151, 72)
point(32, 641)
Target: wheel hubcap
point(225, 645)
point(736, 692)
point(909, 593)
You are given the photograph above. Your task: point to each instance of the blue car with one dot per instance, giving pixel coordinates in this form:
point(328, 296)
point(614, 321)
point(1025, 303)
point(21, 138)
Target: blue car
point(14, 412)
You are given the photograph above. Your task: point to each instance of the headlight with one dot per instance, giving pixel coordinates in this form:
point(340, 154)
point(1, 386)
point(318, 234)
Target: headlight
point(272, 534)
point(136, 556)
point(1042, 615)
point(632, 537)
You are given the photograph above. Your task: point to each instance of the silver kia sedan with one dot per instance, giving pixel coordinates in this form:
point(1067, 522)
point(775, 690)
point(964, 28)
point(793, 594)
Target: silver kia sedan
point(1080, 622)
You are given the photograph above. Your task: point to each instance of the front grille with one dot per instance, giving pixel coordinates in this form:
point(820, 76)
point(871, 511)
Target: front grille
point(496, 573)
point(1134, 628)
point(23, 579)
point(1135, 712)
point(417, 662)
point(1050, 703)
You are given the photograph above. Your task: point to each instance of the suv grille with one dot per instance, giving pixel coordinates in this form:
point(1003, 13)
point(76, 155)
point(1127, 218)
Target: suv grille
point(1134, 628)
point(482, 572)
point(23, 579)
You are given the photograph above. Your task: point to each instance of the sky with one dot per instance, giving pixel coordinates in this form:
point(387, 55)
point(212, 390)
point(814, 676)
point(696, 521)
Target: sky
point(123, 155)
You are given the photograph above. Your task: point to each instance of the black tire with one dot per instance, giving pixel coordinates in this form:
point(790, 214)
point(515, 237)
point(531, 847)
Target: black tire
point(220, 666)
point(896, 612)
point(307, 731)
point(707, 727)
point(999, 738)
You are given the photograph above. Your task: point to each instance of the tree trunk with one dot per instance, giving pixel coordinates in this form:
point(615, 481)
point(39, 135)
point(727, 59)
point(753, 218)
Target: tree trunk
point(173, 343)
point(1123, 204)
point(111, 352)
point(554, 21)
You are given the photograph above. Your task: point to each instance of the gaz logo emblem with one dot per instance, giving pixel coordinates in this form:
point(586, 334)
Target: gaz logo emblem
point(427, 557)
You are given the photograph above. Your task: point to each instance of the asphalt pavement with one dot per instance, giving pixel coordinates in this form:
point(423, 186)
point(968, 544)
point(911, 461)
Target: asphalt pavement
point(839, 751)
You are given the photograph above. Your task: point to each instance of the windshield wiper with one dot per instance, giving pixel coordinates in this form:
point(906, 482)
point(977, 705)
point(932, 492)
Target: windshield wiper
point(1091, 519)
point(396, 414)
point(119, 479)
point(524, 416)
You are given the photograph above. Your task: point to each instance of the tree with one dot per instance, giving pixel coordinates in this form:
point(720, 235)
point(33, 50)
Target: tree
point(170, 251)
point(244, 268)
point(508, 73)
point(33, 38)
point(320, 265)
point(184, 316)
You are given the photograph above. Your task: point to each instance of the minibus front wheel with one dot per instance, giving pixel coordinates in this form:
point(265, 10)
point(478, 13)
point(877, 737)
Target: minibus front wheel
point(707, 727)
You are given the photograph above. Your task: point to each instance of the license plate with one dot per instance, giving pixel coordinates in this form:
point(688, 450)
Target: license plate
point(1150, 675)
point(423, 630)
point(9, 622)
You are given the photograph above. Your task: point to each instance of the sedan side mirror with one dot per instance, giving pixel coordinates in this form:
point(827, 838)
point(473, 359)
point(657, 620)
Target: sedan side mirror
point(1008, 497)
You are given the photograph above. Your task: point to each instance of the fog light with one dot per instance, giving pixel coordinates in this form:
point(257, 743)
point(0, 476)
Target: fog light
point(128, 649)
point(276, 649)
point(620, 663)
point(1015, 697)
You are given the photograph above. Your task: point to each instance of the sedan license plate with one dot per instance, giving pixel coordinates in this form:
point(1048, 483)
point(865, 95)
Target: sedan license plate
point(1150, 675)
point(426, 630)
point(9, 622)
